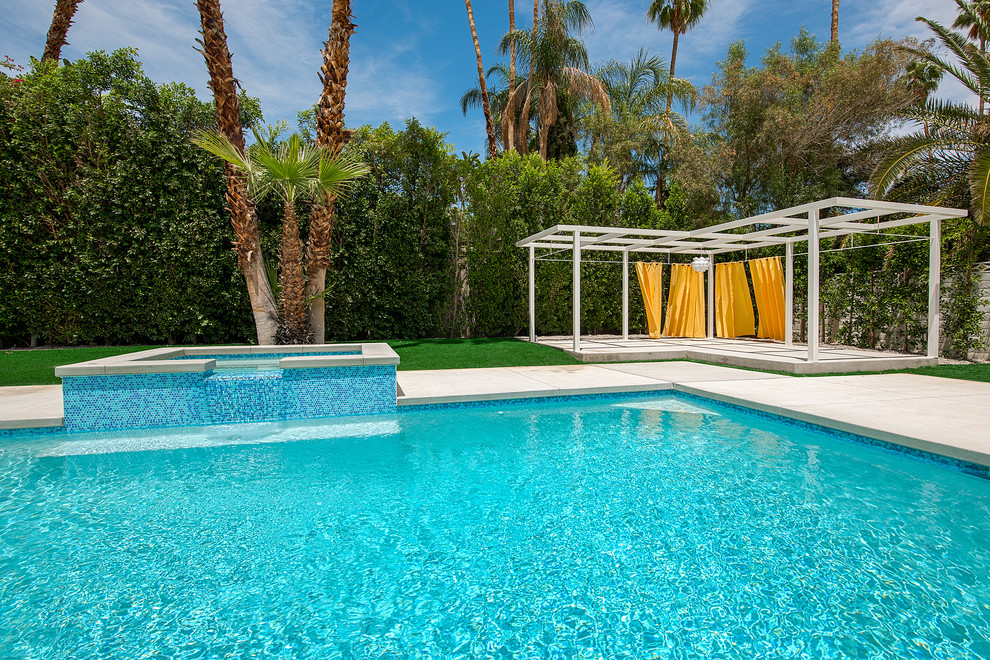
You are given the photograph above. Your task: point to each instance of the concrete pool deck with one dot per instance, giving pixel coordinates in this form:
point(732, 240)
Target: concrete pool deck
point(939, 415)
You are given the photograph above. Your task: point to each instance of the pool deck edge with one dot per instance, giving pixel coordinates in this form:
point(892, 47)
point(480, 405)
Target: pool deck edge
point(941, 449)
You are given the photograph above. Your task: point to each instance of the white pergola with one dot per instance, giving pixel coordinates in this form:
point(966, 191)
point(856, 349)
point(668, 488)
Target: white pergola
point(828, 218)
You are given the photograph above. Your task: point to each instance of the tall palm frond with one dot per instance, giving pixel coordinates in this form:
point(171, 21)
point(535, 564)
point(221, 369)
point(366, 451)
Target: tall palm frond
point(558, 61)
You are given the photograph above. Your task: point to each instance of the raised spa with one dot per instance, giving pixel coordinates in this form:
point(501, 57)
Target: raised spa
point(228, 384)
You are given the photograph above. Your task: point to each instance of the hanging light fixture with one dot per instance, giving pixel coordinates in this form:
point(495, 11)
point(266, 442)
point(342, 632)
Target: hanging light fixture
point(701, 264)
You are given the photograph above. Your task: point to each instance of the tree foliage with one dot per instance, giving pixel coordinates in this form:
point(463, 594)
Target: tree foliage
point(795, 125)
point(112, 226)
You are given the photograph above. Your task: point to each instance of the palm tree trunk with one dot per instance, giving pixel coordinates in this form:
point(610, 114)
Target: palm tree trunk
point(242, 216)
point(673, 61)
point(485, 104)
point(330, 133)
point(295, 317)
point(983, 49)
point(543, 122)
point(61, 20)
point(510, 136)
point(528, 103)
point(835, 20)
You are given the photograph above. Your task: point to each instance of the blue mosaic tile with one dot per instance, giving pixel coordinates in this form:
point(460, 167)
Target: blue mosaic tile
point(31, 431)
point(332, 392)
point(104, 403)
point(98, 403)
point(244, 397)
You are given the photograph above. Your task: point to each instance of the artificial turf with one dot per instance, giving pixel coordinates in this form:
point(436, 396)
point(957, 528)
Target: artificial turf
point(37, 367)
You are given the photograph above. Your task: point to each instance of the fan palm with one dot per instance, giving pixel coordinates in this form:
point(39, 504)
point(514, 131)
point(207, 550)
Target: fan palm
point(678, 16)
point(497, 77)
point(953, 153)
point(559, 64)
point(293, 171)
point(639, 123)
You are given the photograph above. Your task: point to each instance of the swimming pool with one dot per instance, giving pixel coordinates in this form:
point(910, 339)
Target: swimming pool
point(634, 527)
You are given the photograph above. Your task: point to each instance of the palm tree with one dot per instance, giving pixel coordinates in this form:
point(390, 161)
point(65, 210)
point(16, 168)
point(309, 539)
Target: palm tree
point(953, 153)
point(923, 79)
point(293, 171)
point(61, 20)
point(247, 238)
point(331, 135)
point(489, 124)
point(678, 16)
point(975, 16)
point(559, 63)
point(638, 125)
point(510, 133)
point(523, 138)
point(498, 95)
point(835, 20)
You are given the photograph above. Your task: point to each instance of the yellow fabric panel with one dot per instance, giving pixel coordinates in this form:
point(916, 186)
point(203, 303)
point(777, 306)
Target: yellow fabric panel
point(685, 303)
point(768, 285)
point(650, 284)
point(733, 304)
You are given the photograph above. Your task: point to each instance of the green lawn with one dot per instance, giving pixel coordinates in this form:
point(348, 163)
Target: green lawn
point(37, 367)
point(467, 353)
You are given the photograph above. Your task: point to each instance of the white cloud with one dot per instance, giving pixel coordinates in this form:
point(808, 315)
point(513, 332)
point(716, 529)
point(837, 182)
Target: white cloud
point(390, 86)
point(892, 18)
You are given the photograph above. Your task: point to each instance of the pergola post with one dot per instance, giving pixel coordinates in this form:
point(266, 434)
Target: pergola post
point(711, 295)
point(625, 294)
point(789, 295)
point(934, 286)
point(532, 294)
point(813, 259)
point(576, 291)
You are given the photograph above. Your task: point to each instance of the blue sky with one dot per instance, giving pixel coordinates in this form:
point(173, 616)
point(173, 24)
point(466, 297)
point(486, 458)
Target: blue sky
point(415, 57)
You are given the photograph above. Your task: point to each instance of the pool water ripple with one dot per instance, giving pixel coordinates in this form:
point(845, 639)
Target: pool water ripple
point(599, 530)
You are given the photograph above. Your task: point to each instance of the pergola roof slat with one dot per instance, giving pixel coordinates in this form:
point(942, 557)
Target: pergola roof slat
point(784, 228)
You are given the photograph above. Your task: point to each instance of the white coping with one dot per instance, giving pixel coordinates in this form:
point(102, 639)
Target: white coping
point(939, 415)
point(163, 360)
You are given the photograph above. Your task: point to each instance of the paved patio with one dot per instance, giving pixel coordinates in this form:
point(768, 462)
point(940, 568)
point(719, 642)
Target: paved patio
point(750, 353)
point(939, 415)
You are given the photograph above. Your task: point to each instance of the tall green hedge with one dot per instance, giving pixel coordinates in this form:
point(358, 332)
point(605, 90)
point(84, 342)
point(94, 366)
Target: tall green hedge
point(112, 226)
point(113, 229)
point(393, 269)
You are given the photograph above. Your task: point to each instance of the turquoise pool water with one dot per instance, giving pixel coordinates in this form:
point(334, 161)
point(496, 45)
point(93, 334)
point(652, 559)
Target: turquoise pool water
point(622, 528)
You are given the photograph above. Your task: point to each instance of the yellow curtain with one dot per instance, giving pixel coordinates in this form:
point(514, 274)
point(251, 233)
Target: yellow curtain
point(768, 285)
point(733, 304)
point(685, 303)
point(650, 283)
